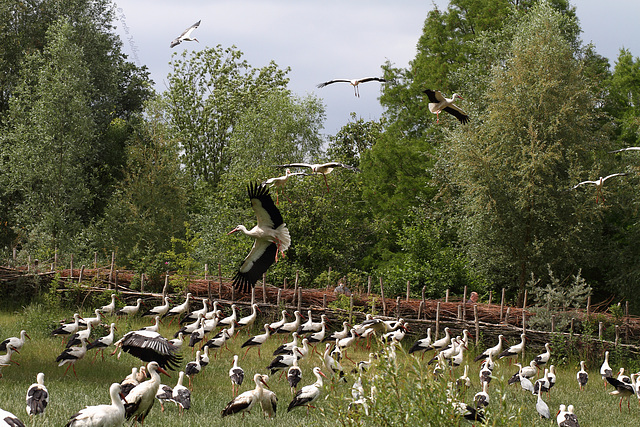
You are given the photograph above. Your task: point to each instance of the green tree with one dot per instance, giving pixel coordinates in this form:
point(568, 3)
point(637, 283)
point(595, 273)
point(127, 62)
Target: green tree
point(208, 91)
point(624, 98)
point(50, 138)
point(512, 173)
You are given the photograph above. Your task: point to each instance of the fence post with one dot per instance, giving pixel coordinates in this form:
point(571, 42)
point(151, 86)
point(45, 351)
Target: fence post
point(324, 301)
point(351, 308)
point(600, 330)
point(459, 317)
point(264, 288)
point(166, 285)
point(464, 303)
point(384, 304)
point(476, 321)
point(588, 306)
point(437, 321)
point(71, 267)
point(284, 283)
point(368, 285)
point(81, 273)
point(446, 296)
point(142, 283)
point(506, 316)
point(490, 297)
point(501, 304)
point(398, 306)
point(278, 297)
point(220, 281)
point(617, 335)
point(408, 290)
point(420, 309)
point(206, 271)
point(299, 299)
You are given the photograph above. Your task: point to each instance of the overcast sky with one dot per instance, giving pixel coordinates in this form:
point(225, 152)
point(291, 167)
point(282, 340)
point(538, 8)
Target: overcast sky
point(323, 40)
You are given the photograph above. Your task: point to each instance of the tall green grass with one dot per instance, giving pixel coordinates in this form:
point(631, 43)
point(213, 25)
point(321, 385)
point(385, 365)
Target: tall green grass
point(408, 394)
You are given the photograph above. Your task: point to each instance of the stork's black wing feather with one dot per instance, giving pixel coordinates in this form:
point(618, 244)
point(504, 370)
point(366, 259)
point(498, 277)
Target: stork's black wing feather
point(260, 193)
point(464, 119)
point(243, 282)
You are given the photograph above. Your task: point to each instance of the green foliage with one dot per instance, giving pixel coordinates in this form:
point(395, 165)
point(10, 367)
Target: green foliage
point(181, 257)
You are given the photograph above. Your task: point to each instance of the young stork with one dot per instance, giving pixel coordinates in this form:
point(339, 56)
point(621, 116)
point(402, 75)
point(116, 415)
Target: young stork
point(130, 310)
point(179, 309)
point(236, 373)
point(515, 350)
point(68, 328)
point(622, 389)
point(291, 327)
point(164, 394)
point(276, 325)
point(582, 376)
point(321, 168)
point(422, 344)
point(570, 419)
point(244, 402)
point(271, 237)
point(101, 415)
point(141, 398)
point(353, 82)
point(294, 375)
point(438, 103)
point(482, 397)
point(543, 358)
point(231, 319)
point(71, 355)
point(186, 36)
point(309, 393)
point(248, 321)
point(15, 342)
point(37, 396)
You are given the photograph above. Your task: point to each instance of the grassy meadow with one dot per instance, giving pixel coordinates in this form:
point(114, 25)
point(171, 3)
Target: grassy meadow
point(406, 394)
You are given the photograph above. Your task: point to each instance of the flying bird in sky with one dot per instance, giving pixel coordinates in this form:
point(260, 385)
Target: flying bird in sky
point(438, 102)
point(626, 149)
point(321, 168)
point(353, 82)
point(598, 183)
point(271, 237)
point(185, 36)
point(280, 181)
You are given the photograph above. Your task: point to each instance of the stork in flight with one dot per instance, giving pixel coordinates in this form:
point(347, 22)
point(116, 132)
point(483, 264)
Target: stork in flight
point(271, 236)
point(626, 149)
point(352, 82)
point(598, 183)
point(185, 36)
point(280, 181)
point(321, 168)
point(438, 102)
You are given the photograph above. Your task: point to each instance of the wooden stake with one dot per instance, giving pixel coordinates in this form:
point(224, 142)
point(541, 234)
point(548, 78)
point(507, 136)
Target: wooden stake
point(446, 296)
point(398, 307)
point(501, 305)
point(81, 273)
point(476, 321)
point(220, 281)
point(142, 283)
point(464, 304)
point(264, 289)
point(600, 325)
point(437, 321)
point(384, 303)
point(278, 297)
point(490, 297)
point(284, 283)
point(299, 299)
point(113, 263)
point(368, 285)
point(71, 267)
point(408, 290)
point(166, 285)
point(420, 308)
point(588, 306)
point(328, 278)
point(424, 288)
point(459, 317)
point(324, 301)
point(506, 317)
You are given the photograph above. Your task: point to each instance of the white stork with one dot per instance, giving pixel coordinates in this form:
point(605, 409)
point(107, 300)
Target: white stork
point(317, 337)
point(353, 82)
point(288, 347)
point(542, 407)
point(37, 396)
point(284, 361)
point(482, 397)
point(309, 393)
point(275, 325)
point(190, 317)
point(491, 351)
point(7, 419)
point(109, 308)
point(103, 342)
point(193, 368)
point(543, 358)
point(438, 102)
point(245, 401)
point(605, 369)
point(71, 355)
point(321, 168)
point(570, 419)
point(257, 340)
point(271, 236)
point(80, 335)
point(622, 389)
point(93, 321)
point(333, 366)
point(153, 328)
point(181, 395)
point(219, 340)
point(626, 149)
point(101, 415)
point(15, 342)
point(291, 327)
point(268, 400)
point(515, 350)
point(422, 344)
point(140, 399)
point(150, 346)
point(442, 342)
point(231, 319)
point(159, 310)
point(582, 376)
point(164, 394)
point(337, 335)
point(294, 375)
point(179, 309)
point(248, 321)
point(599, 184)
point(68, 328)
point(280, 181)
point(130, 310)
point(236, 374)
point(186, 36)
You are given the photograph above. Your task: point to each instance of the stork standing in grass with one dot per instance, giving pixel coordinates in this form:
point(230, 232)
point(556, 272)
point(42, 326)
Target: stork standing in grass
point(141, 398)
point(37, 396)
point(245, 402)
point(101, 415)
point(271, 237)
point(309, 393)
point(15, 342)
point(236, 374)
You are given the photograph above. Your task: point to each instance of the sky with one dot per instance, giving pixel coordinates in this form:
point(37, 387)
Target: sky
point(324, 40)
